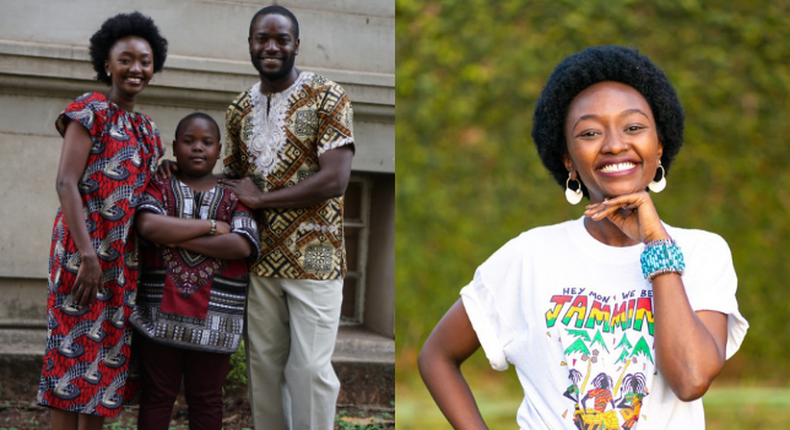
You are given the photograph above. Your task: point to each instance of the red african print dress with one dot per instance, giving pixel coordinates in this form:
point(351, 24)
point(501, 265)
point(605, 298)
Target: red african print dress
point(86, 361)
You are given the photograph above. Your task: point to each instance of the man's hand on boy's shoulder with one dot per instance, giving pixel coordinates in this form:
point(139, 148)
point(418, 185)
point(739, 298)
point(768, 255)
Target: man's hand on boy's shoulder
point(245, 189)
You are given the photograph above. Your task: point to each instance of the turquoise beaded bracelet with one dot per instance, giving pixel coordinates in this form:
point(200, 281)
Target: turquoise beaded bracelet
point(661, 256)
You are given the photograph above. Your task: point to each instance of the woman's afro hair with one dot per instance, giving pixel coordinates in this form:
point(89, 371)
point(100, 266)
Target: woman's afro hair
point(118, 27)
point(597, 64)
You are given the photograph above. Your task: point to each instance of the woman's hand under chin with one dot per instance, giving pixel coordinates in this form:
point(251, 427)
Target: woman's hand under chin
point(634, 214)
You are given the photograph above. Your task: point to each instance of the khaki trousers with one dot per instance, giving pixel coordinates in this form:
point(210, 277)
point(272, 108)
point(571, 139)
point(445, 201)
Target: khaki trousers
point(289, 332)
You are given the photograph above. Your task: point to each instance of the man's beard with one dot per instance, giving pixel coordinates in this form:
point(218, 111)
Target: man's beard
point(285, 69)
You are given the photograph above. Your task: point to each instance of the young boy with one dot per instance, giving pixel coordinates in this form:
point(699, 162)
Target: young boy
point(193, 280)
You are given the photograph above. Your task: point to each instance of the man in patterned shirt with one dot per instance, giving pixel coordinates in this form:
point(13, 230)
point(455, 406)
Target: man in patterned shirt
point(289, 152)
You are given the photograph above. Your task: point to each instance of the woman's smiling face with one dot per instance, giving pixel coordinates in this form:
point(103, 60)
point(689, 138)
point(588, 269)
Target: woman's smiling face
point(131, 65)
point(612, 140)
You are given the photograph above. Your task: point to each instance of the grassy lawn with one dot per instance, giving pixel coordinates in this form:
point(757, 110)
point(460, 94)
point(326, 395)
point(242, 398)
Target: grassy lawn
point(498, 395)
point(747, 407)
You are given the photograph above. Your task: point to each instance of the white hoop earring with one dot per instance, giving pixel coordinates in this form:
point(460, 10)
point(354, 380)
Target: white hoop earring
point(573, 196)
point(658, 186)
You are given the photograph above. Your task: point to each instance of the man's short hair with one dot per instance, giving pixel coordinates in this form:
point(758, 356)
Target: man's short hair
point(277, 10)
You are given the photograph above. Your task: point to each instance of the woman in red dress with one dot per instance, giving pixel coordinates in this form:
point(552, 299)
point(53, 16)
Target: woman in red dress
point(109, 153)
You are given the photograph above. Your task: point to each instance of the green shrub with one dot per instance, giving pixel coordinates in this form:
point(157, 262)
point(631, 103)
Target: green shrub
point(237, 374)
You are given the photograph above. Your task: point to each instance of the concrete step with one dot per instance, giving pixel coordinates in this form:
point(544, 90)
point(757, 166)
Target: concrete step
point(357, 343)
point(365, 364)
point(363, 360)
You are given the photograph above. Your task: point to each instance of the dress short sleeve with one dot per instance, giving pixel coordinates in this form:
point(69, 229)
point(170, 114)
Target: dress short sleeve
point(89, 109)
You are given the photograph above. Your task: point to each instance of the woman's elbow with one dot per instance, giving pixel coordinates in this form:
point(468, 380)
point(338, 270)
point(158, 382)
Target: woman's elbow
point(689, 392)
point(432, 355)
point(691, 377)
point(424, 360)
point(692, 387)
point(62, 185)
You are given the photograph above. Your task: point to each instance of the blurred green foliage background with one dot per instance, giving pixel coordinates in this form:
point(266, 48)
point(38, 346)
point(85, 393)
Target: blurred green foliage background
point(469, 178)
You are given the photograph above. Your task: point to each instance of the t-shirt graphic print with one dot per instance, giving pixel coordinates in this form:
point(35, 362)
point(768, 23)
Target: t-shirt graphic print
point(608, 352)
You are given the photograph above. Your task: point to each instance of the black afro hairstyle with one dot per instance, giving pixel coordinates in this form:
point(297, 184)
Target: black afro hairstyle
point(194, 115)
point(118, 27)
point(277, 10)
point(597, 64)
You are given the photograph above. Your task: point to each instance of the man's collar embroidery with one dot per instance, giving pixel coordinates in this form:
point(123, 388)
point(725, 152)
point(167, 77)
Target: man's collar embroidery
point(268, 131)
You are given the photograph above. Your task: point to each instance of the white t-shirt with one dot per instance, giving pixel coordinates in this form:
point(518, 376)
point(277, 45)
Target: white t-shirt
point(575, 317)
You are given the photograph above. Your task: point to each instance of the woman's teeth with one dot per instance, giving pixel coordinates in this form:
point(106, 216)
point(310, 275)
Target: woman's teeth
point(619, 167)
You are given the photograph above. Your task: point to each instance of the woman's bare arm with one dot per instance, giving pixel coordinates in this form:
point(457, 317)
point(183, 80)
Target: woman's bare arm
point(690, 346)
point(73, 160)
point(452, 341)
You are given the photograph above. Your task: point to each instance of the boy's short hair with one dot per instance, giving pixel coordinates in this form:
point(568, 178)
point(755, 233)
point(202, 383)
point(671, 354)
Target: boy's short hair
point(198, 115)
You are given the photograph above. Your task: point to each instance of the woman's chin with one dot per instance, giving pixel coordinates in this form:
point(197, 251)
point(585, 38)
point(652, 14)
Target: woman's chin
point(621, 191)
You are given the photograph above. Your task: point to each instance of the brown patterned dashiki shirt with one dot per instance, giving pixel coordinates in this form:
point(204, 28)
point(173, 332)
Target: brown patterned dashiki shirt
point(276, 140)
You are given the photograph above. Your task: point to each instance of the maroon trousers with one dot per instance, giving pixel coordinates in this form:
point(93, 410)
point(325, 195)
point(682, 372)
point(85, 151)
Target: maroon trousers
point(163, 366)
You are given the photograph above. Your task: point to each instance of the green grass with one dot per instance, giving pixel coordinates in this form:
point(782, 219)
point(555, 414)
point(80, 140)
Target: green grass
point(346, 419)
point(498, 397)
point(747, 407)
